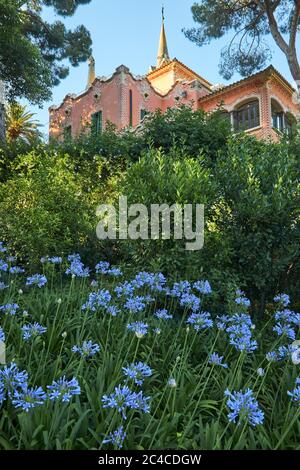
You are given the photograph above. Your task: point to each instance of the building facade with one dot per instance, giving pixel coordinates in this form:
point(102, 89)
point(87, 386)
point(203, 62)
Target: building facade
point(261, 104)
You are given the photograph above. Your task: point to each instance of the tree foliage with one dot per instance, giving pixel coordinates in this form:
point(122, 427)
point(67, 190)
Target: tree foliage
point(20, 124)
point(249, 21)
point(34, 52)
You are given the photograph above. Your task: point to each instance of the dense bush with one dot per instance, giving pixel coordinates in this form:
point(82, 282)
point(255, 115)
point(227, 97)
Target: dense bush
point(251, 196)
point(259, 216)
point(45, 209)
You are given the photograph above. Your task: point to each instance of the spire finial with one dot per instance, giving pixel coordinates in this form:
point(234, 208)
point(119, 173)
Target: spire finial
point(163, 55)
point(92, 73)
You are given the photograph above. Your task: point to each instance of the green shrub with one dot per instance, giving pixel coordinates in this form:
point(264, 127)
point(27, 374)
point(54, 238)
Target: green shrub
point(45, 208)
point(258, 215)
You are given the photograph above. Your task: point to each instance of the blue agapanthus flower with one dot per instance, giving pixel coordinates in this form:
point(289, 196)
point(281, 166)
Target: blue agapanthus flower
point(2, 335)
point(63, 389)
point(123, 399)
point(244, 408)
point(16, 270)
point(241, 299)
point(190, 301)
point(163, 314)
point(157, 282)
point(286, 330)
point(38, 280)
point(203, 287)
point(3, 285)
point(12, 379)
point(97, 300)
point(135, 304)
point(2, 248)
point(283, 352)
point(55, 260)
point(295, 394)
point(180, 288)
point(143, 278)
point(126, 289)
point(9, 309)
point(76, 268)
point(87, 349)
point(137, 372)
point(285, 316)
point(282, 299)
point(32, 330)
point(116, 438)
point(112, 310)
point(102, 267)
point(243, 343)
point(115, 272)
point(200, 321)
point(139, 328)
point(239, 327)
point(217, 360)
point(222, 321)
point(29, 398)
point(3, 266)
point(271, 356)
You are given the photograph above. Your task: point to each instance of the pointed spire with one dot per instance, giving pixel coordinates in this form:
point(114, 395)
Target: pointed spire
point(92, 73)
point(163, 54)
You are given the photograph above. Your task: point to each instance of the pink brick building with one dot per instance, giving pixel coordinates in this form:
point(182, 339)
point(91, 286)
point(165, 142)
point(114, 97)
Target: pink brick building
point(261, 104)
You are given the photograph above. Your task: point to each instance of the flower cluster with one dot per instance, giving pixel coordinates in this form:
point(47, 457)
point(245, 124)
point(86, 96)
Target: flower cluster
point(2, 248)
point(203, 287)
point(32, 330)
point(16, 270)
point(116, 438)
point(3, 266)
point(139, 328)
point(29, 398)
point(97, 300)
point(137, 372)
point(217, 360)
point(76, 268)
point(282, 299)
point(287, 320)
point(9, 309)
point(241, 299)
point(63, 389)
point(38, 280)
point(123, 399)
point(244, 408)
point(163, 314)
point(179, 289)
point(104, 268)
point(239, 327)
point(135, 304)
point(295, 394)
point(200, 321)
point(190, 301)
point(87, 349)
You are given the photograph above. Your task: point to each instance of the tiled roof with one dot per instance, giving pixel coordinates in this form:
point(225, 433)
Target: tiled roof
point(203, 80)
point(268, 71)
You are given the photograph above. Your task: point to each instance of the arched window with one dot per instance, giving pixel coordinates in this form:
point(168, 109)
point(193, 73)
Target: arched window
point(290, 123)
point(246, 116)
point(278, 118)
point(281, 121)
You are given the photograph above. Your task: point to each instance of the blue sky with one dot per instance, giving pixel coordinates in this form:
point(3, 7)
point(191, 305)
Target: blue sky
point(127, 31)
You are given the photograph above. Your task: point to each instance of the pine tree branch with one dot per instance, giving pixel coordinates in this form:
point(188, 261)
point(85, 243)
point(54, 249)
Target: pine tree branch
point(278, 38)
